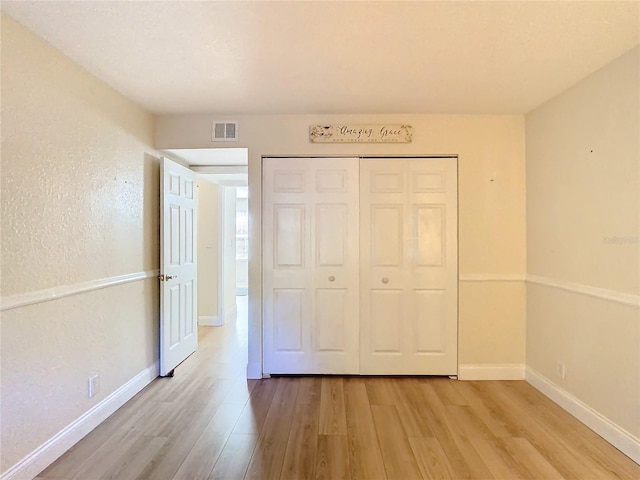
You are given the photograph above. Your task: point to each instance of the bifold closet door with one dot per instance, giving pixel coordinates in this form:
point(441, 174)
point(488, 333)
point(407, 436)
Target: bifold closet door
point(310, 265)
point(408, 251)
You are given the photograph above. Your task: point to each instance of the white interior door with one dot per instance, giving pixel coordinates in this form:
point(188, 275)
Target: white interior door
point(311, 263)
point(408, 254)
point(178, 273)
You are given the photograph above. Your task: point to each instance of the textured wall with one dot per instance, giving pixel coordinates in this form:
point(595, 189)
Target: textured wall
point(79, 202)
point(491, 208)
point(583, 225)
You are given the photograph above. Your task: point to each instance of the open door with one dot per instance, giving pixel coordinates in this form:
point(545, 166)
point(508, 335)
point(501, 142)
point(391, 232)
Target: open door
point(178, 272)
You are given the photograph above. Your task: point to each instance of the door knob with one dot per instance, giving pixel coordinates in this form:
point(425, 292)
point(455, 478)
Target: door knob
point(332, 278)
point(385, 280)
point(165, 278)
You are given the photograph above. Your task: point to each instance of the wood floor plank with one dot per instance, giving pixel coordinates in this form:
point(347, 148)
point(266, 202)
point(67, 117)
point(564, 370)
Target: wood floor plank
point(255, 411)
point(268, 456)
point(435, 411)
point(399, 461)
point(184, 433)
point(234, 459)
point(571, 444)
point(365, 457)
point(537, 465)
point(113, 453)
point(137, 458)
point(409, 403)
point(557, 450)
point(300, 455)
point(490, 418)
point(583, 438)
point(240, 392)
point(447, 394)
point(205, 452)
point(490, 449)
point(431, 459)
point(466, 446)
point(332, 459)
point(309, 390)
point(332, 414)
point(379, 391)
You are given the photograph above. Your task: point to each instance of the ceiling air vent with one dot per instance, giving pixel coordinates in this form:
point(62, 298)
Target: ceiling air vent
point(225, 132)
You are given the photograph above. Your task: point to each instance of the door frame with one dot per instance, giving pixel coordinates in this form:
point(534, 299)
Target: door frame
point(223, 234)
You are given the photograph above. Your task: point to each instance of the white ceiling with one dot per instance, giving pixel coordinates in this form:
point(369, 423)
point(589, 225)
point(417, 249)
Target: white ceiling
point(226, 180)
point(259, 57)
point(212, 156)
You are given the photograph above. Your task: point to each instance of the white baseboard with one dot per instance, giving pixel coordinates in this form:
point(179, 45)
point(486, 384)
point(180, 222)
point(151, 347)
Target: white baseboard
point(612, 433)
point(213, 321)
point(491, 372)
point(52, 449)
point(254, 371)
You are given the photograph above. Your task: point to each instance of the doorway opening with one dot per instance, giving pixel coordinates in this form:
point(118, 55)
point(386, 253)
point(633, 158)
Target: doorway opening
point(223, 236)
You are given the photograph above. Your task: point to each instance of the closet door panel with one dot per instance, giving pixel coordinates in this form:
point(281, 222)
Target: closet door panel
point(409, 214)
point(310, 265)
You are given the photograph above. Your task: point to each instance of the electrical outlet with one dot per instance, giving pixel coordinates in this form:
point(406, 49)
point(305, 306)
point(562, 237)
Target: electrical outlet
point(561, 370)
point(94, 384)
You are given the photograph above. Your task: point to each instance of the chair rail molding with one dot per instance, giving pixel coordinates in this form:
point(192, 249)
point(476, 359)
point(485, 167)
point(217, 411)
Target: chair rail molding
point(19, 300)
point(492, 277)
point(604, 293)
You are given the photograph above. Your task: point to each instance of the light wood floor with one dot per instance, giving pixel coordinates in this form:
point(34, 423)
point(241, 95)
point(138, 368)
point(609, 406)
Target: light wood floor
point(208, 422)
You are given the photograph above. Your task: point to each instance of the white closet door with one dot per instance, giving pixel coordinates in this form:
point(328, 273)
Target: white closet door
point(311, 265)
point(408, 266)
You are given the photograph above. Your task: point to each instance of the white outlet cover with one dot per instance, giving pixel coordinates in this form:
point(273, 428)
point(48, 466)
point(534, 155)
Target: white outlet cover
point(94, 385)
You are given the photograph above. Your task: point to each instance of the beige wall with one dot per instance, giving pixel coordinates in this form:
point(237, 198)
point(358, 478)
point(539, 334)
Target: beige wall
point(491, 209)
point(242, 266)
point(229, 270)
point(208, 248)
point(79, 203)
point(583, 214)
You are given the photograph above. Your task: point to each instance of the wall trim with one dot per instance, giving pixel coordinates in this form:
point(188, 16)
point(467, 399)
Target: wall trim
point(19, 300)
point(52, 449)
point(254, 372)
point(606, 294)
point(507, 371)
point(210, 321)
point(492, 277)
point(231, 314)
point(611, 432)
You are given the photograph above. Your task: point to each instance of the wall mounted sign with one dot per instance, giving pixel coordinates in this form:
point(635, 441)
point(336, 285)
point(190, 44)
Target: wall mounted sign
point(360, 133)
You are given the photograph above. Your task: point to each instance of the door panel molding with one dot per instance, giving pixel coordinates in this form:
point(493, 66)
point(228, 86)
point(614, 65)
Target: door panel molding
point(178, 265)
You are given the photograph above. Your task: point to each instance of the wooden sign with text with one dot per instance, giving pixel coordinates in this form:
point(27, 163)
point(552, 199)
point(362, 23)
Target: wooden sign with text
point(360, 133)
